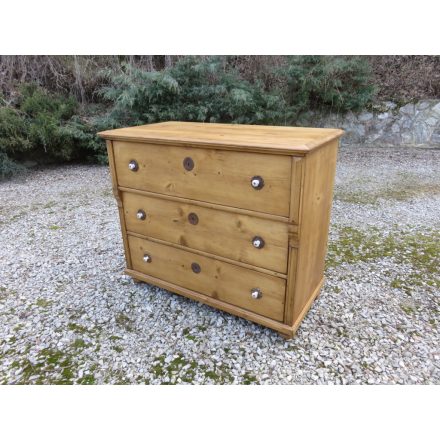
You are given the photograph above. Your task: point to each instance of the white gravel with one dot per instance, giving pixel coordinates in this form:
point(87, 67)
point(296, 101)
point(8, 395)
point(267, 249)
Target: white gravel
point(69, 315)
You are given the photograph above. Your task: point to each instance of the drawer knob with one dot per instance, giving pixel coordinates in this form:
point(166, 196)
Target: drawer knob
point(133, 165)
point(257, 182)
point(193, 218)
point(141, 214)
point(256, 293)
point(258, 242)
point(147, 258)
point(188, 164)
point(195, 267)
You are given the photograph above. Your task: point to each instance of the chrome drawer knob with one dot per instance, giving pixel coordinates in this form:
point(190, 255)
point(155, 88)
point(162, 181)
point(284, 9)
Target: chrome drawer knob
point(257, 182)
point(133, 165)
point(258, 242)
point(141, 214)
point(256, 293)
point(147, 258)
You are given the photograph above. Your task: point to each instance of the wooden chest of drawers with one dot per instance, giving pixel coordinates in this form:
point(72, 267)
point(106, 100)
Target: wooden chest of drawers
point(234, 216)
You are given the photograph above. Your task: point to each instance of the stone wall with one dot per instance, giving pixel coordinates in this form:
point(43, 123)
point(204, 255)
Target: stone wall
point(388, 124)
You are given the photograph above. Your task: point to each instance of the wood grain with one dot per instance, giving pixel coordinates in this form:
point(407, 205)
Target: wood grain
point(291, 213)
point(296, 188)
point(316, 204)
point(217, 232)
point(238, 211)
point(219, 280)
point(251, 138)
point(221, 177)
point(206, 254)
point(116, 193)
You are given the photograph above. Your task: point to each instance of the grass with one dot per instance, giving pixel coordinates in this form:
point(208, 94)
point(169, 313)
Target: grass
point(79, 343)
point(53, 366)
point(124, 321)
point(187, 370)
point(44, 303)
point(48, 362)
point(407, 309)
point(249, 379)
point(77, 328)
point(187, 335)
point(420, 250)
point(404, 187)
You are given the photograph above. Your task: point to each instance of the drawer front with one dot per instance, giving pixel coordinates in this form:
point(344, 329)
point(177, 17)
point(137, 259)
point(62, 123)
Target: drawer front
point(222, 177)
point(251, 240)
point(223, 281)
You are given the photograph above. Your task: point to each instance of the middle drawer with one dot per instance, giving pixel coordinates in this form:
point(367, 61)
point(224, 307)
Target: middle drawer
point(252, 240)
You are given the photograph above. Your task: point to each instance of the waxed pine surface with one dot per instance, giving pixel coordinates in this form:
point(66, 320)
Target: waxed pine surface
point(69, 315)
point(258, 138)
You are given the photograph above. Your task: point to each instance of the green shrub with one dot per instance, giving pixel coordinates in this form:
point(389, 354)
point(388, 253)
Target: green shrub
point(13, 131)
point(13, 140)
point(8, 167)
point(332, 83)
point(46, 114)
point(210, 91)
point(46, 128)
point(83, 139)
point(192, 90)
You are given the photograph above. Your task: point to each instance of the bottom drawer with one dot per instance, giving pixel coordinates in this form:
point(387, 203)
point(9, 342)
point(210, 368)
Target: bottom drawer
point(223, 281)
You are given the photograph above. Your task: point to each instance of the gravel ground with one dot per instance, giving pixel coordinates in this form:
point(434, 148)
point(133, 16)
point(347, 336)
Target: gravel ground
point(69, 315)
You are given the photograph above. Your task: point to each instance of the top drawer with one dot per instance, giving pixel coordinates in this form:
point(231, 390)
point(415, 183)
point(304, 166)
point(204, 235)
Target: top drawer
point(222, 177)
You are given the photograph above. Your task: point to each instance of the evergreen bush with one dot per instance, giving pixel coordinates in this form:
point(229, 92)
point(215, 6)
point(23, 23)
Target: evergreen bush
point(331, 83)
point(46, 128)
point(193, 90)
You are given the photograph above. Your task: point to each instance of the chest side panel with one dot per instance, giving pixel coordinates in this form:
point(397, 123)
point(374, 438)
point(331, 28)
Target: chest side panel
point(317, 196)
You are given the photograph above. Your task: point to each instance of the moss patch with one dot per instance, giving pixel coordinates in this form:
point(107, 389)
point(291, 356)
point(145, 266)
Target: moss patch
point(79, 344)
point(44, 303)
point(187, 335)
point(405, 186)
point(77, 328)
point(186, 370)
point(420, 250)
point(249, 379)
point(124, 321)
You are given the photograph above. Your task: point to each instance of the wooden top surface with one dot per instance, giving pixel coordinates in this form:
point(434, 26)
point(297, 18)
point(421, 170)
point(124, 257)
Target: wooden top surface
point(257, 138)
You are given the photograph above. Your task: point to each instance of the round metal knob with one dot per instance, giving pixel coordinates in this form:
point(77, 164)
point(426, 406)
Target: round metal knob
point(195, 267)
point(193, 218)
point(188, 164)
point(141, 214)
point(133, 165)
point(256, 293)
point(147, 258)
point(258, 242)
point(257, 182)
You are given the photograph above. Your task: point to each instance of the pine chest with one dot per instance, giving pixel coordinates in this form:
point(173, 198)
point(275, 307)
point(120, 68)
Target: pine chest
point(234, 216)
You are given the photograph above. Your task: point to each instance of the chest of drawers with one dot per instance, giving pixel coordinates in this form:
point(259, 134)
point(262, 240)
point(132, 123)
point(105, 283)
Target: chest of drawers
point(234, 216)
